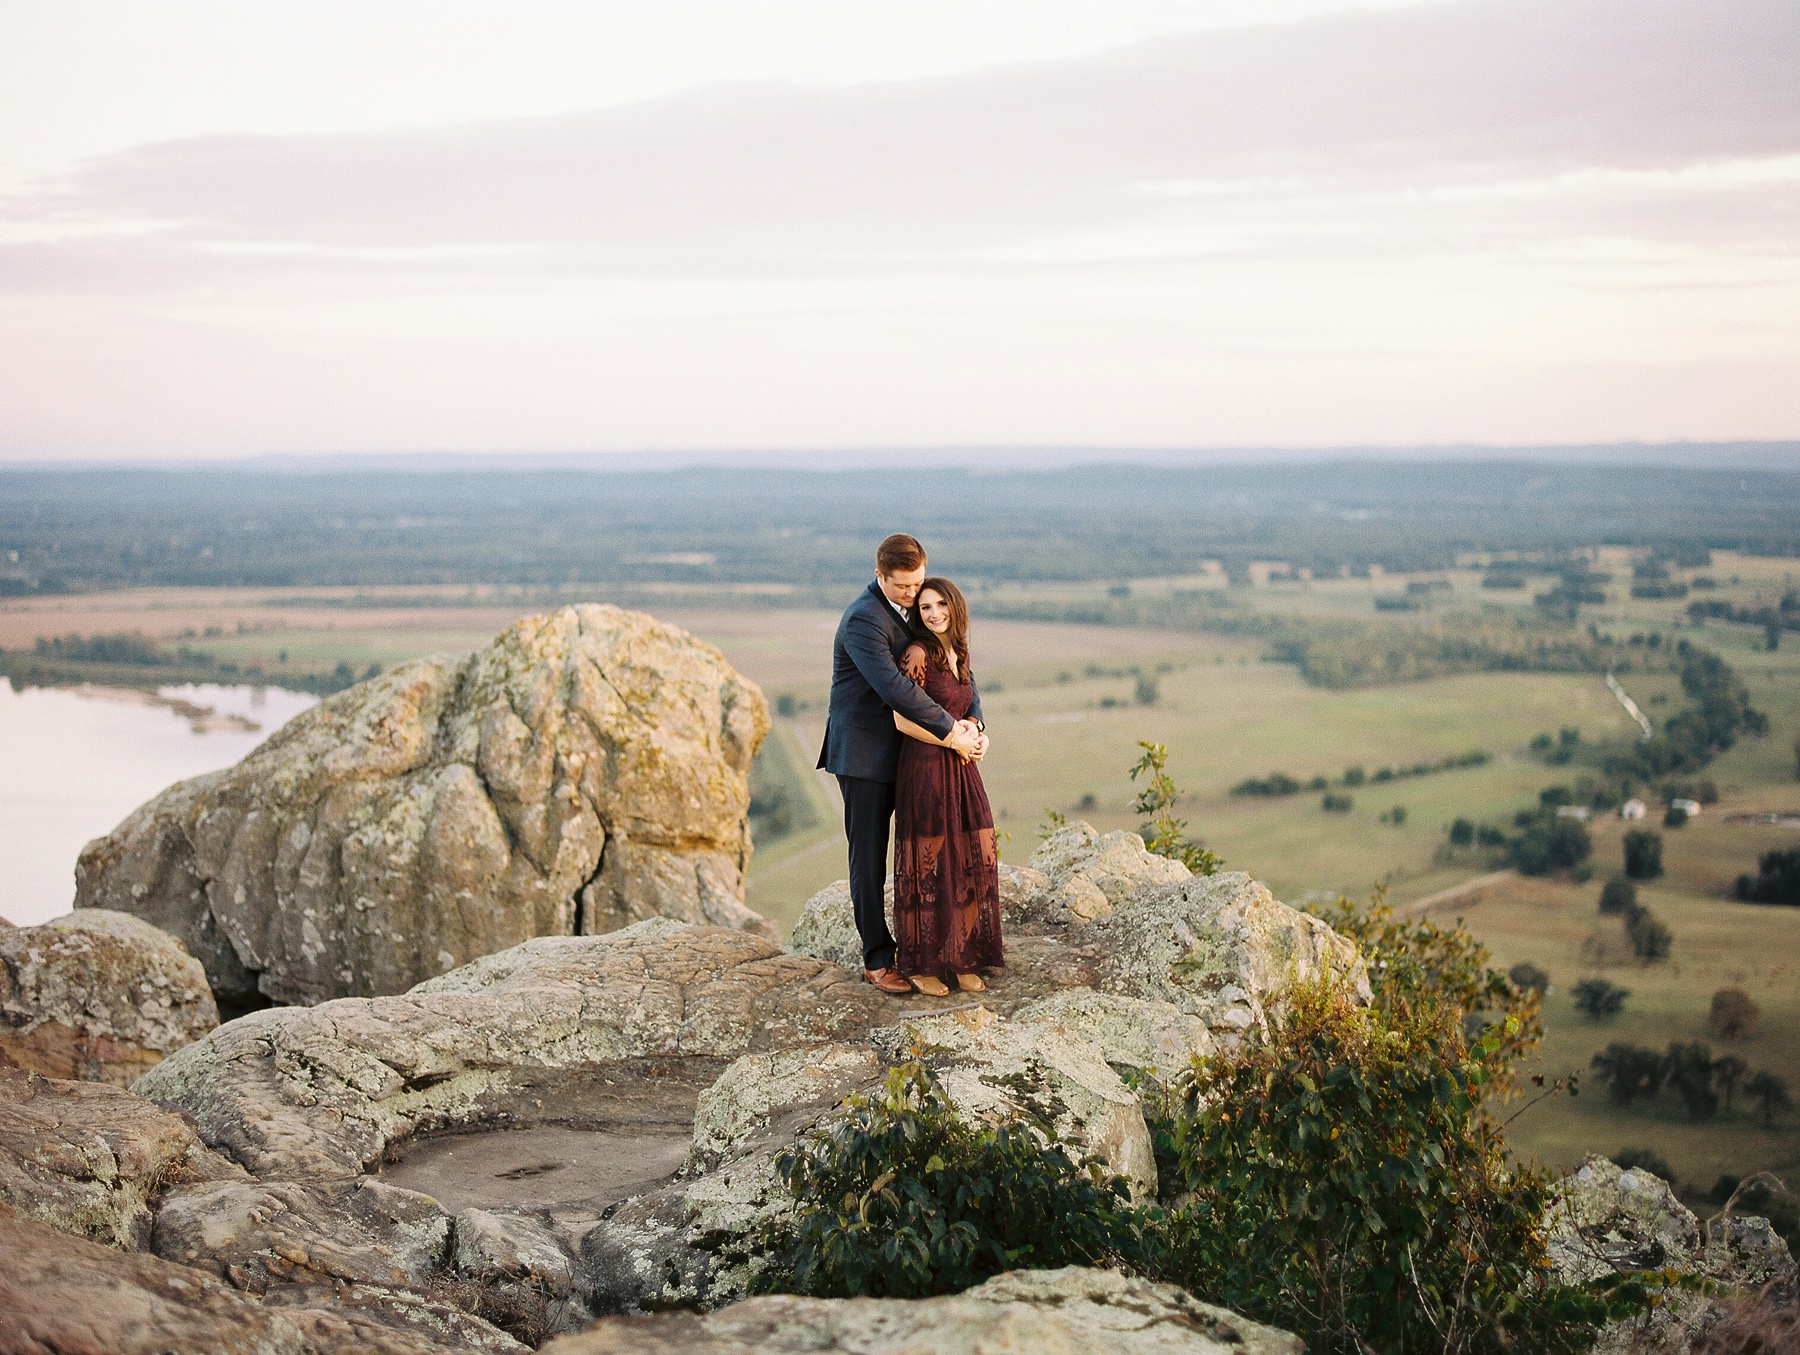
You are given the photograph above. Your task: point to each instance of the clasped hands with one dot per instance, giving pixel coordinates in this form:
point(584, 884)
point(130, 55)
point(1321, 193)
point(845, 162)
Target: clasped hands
point(968, 740)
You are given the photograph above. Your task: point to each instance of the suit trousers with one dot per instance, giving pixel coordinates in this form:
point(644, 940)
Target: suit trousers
point(868, 823)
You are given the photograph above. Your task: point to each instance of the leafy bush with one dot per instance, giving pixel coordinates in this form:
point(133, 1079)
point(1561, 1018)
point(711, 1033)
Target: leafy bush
point(1599, 1000)
point(1346, 1180)
point(1689, 1073)
point(905, 1198)
point(1618, 895)
point(1675, 817)
point(1733, 1015)
point(1355, 776)
point(1462, 833)
point(1333, 803)
point(1643, 854)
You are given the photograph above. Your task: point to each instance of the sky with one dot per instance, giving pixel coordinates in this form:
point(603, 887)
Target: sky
point(232, 230)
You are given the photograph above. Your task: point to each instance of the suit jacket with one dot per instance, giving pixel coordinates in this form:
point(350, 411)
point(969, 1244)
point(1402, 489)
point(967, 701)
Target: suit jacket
point(867, 687)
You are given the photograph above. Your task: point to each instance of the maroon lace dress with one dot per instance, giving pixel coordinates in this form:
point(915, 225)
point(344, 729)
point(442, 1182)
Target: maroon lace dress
point(946, 871)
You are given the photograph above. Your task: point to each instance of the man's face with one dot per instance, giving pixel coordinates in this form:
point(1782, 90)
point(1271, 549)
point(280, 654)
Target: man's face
point(901, 589)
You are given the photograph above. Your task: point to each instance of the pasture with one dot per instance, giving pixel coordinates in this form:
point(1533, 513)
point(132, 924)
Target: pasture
point(1065, 709)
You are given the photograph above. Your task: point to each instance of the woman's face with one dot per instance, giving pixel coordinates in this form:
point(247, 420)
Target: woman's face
point(934, 611)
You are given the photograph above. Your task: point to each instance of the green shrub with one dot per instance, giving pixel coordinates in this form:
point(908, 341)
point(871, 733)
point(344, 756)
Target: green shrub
point(1462, 833)
point(905, 1198)
point(1347, 1183)
point(1333, 803)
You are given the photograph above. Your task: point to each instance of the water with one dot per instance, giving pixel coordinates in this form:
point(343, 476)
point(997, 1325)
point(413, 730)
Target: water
point(76, 761)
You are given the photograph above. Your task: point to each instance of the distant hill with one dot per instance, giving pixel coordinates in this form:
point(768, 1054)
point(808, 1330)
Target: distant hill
point(319, 524)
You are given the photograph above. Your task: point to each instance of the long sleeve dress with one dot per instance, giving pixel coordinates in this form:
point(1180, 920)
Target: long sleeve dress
point(946, 868)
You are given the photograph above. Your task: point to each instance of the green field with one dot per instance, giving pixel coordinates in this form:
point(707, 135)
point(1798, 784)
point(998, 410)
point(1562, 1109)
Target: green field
point(1063, 706)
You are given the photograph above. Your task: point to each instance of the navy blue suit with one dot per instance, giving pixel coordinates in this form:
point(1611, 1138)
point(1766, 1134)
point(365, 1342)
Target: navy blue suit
point(862, 748)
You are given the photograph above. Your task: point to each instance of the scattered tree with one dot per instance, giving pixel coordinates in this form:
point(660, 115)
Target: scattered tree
point(1462, 833)
point(1777, 879)
point(1729, 1072)
point(1644, 1159)
point(1643, 854)
point(1689, 1072)
point(1628, 1072)
point(1675, 817)
point(1526, 975)
point(1618, 895)
point(1771, 1094)
point(1550, 844)
point(1733, 1015)
point(1599, 1000)
point(1333, 803)
point(1650, 939)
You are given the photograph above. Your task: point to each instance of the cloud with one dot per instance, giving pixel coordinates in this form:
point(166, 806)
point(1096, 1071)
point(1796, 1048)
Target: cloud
point(1491, 220)
point(1433, 98)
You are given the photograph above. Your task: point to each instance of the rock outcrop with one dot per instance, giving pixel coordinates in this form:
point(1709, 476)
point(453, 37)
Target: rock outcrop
point(89, 1159)
point(1104, 913)
point(1072, 1311)
point(1605, 1220)
point(661, 1025)
point(98, 995)
point(587, 770)
point(63, 1295)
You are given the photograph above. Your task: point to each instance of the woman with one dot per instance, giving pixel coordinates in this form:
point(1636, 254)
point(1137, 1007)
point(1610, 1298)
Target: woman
point(946, 870)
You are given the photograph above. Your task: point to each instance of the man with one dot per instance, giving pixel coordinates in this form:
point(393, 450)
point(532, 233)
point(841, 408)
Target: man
point(862, 746)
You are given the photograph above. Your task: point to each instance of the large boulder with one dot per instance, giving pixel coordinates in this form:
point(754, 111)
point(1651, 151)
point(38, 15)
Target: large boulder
point(91, 1160)
point(1071, 1311)
point(585, 771)
point(98, 995)
point(1607, 1220)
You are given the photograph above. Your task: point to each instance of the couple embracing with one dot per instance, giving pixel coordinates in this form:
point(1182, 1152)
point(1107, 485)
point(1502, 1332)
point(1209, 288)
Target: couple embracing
point(904, 738)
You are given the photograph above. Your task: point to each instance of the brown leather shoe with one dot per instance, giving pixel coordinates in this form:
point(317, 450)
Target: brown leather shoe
point(889, 981)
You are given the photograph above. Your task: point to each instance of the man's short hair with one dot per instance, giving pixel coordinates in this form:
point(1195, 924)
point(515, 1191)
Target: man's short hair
point(899, 554)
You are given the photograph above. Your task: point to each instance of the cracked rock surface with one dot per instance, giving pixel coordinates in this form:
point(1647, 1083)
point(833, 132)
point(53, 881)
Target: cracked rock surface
point(587, 770)
point(99, 996)
point(1072, 1311)
point(90, 1159)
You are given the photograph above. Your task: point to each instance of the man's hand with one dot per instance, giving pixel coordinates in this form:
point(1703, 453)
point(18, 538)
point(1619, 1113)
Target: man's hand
point(964, 738)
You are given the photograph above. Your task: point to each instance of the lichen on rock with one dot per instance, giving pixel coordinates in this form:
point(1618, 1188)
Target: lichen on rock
point(98, 996)
point(586, 770)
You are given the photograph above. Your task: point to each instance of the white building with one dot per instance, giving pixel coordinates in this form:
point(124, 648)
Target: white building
point(1688, 807)
point(1632, 809)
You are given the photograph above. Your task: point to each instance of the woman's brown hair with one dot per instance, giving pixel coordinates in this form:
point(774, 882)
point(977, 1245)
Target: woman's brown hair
point(957, 635)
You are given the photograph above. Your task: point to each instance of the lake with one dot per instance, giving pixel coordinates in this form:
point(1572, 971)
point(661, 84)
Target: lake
point(79, 759)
